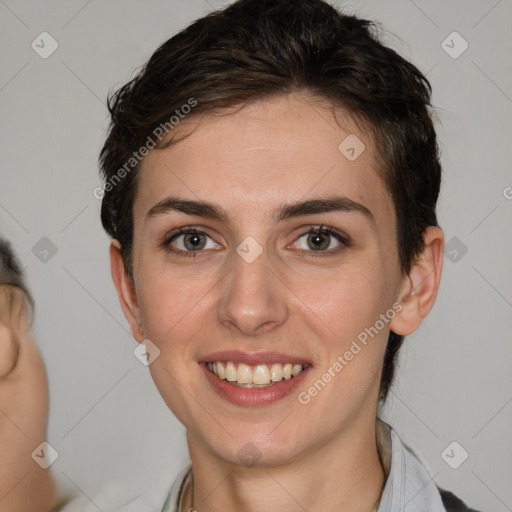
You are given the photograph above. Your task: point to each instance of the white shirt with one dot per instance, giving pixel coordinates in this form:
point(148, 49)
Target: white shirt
point(408, 487)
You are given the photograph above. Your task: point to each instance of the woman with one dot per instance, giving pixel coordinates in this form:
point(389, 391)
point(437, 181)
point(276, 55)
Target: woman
point(24, 485)
point(287, 211)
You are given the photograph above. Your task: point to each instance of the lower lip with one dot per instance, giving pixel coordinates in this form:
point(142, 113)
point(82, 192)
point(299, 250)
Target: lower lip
point(253, 397)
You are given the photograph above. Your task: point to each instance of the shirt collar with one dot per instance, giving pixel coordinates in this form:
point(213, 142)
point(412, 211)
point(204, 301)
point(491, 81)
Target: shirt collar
point(408, 487)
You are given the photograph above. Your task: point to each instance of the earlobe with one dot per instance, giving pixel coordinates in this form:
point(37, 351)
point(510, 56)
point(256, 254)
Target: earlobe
point(125, 291)
point(420, 287)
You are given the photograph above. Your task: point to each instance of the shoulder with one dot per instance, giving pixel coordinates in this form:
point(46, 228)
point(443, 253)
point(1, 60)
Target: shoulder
point(452, 503)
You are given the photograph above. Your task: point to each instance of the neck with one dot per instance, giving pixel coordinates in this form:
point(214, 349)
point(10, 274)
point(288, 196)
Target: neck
point(342, 474)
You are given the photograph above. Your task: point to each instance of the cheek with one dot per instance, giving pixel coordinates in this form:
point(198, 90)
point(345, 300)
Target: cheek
point(175, 309)
point(346, 301)
point(353, 334)
point(165, 298)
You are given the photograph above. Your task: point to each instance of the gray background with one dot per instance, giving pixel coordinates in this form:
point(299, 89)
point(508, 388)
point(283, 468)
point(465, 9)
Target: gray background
point(107, 419)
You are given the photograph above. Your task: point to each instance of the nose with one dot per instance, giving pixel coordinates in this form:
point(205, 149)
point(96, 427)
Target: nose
point(253, 298)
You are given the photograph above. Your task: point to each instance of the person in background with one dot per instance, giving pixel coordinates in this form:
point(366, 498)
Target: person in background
point(24, 485)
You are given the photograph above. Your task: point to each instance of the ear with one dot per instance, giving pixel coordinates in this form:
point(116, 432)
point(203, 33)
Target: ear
point(420, 287)
point(125, 291)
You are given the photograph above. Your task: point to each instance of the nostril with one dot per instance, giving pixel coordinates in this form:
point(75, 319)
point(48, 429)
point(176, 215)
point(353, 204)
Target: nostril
point(8, 350)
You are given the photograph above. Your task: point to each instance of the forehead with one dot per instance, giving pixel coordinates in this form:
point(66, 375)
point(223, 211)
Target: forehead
point(265, 155)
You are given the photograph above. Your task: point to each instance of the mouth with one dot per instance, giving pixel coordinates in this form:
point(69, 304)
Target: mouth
point(254, 379)
point(257, 376)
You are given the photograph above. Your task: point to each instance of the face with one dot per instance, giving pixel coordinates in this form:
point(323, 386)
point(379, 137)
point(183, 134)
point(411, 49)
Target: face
point(22, 372)
point(290, 255)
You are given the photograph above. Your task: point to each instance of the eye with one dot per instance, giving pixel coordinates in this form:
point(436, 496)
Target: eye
point(189, 240)
point(322, 239)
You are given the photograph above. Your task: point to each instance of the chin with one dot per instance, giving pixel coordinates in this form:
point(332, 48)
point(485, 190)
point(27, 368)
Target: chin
point(255, 448)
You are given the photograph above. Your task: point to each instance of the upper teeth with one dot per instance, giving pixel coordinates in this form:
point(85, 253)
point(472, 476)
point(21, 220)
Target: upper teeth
point(259, 375)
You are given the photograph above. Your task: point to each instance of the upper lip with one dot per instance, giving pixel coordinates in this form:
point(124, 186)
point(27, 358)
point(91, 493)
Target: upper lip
point(253, 358)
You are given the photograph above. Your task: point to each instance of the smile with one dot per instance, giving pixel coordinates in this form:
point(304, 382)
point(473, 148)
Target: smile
point(254, 376)
point(253, 379)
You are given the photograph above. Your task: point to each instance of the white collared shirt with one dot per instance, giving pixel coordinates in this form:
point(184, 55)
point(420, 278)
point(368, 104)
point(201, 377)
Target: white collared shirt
point(408, 487)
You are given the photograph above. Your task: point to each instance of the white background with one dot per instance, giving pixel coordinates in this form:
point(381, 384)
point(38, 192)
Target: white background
point(107, 419)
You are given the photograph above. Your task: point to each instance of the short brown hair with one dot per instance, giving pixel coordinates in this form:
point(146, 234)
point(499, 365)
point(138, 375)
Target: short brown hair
point(254, 49)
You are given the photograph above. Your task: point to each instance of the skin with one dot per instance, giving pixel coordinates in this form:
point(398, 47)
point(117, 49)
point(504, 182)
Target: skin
point(291, 299)
point(24, 485)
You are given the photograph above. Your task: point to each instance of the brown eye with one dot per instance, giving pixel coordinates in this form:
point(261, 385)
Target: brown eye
point(188, 242)
point(322, 240)
point(194, 241)
point(318, 241)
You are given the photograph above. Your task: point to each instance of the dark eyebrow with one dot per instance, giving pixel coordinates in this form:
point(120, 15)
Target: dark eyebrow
point(329, 204)
point(200, 208)
point(297, 209)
